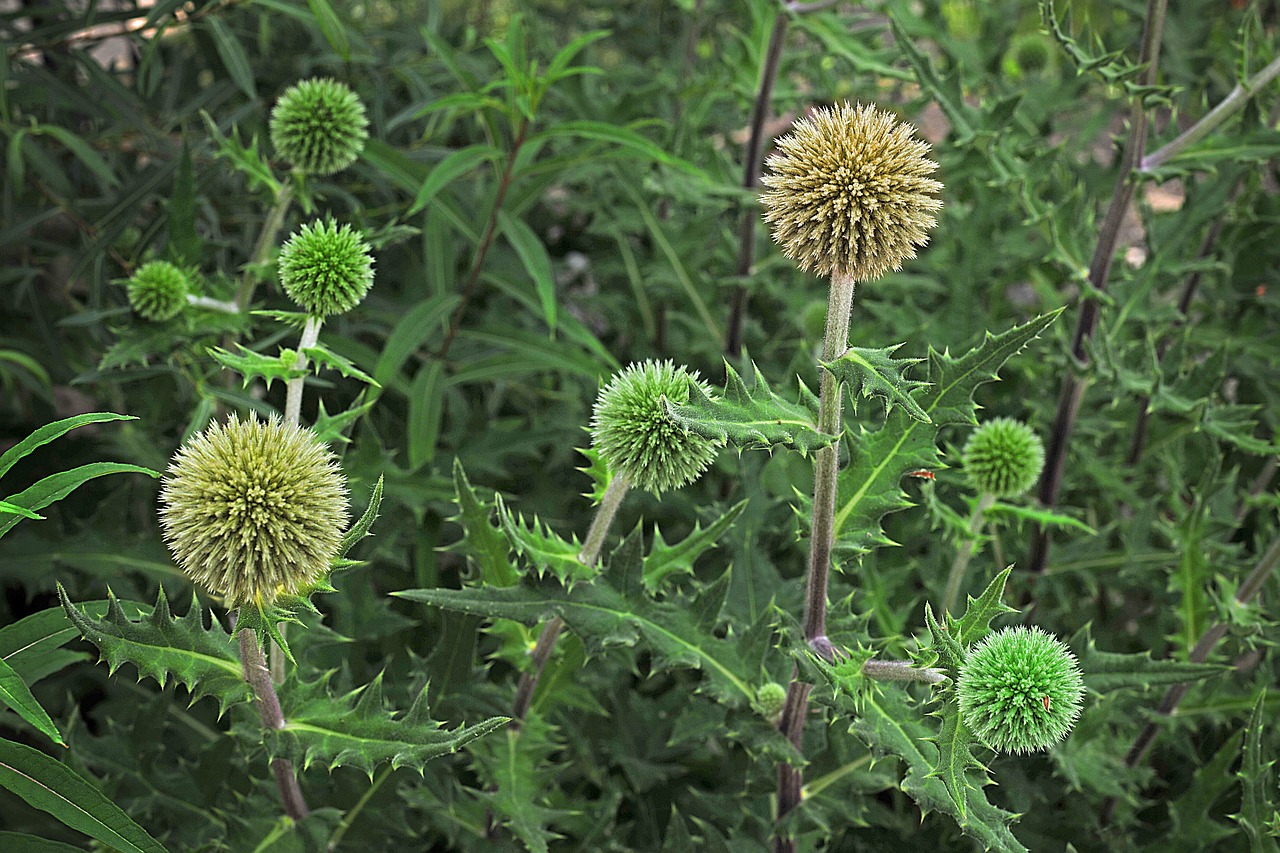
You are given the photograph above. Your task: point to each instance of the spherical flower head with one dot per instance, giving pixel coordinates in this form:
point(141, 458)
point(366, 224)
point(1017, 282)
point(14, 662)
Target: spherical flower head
point(253, 510)
point(850, 192)
point(771, 698)
point(319, 126)
point(158, 290)
point(634, 436)
point(1020, 690)
point(325, 268)
point(1003, 457)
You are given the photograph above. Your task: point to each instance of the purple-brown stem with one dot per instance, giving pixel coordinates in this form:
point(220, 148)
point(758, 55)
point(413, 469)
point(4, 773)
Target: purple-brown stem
point(264, 694)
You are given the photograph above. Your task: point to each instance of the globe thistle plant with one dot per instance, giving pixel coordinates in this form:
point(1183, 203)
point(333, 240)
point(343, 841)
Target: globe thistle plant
point(326, 268)
point(849, 192)
point(771, 698)
point(319, 126)
point(1020, 690)
point(634, 436)
point(158, 290)
point(1003, 457)
point(254, 510)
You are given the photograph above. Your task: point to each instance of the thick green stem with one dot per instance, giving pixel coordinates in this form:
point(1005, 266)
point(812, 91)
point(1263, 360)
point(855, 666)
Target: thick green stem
point(955, 580)
point(264, 692)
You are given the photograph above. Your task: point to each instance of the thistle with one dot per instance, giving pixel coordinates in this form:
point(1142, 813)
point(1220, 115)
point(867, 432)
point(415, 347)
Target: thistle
point(319, 126)
point(1003, 457)
point(325, 268)
point(850, 193)
point(636, 439)
point(1020, 690)
point(158, 290)
point(254, 510)
point(771, 698)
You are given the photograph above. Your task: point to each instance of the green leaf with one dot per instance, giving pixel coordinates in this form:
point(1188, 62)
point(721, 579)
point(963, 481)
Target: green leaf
point(955, 759)
point(15, 693)
point(331, 28)
point(664, 560)
point(1192, 812)
point(542, 548)
point(1105, 672)
point(447, 170)
point(614, 610)
point(330, 428)
point(869, 487)
point(53, 787)
point(421, 324)
point(355, 730)
point(753, 417)
point(482, 540)
point(184, 242)
point(533, 255)
point(248, 161)
point(623, 137)
point(518, 774)
point(49, 432)
point(876, 372)
point(254, 365)
point(975, 624)
point(426, 409)
point(321, 355)
point(1040, 516)
point(33, 644)
point(80, 149)
point(1256, 807)
point(234, 59)
point(360, 529)
point(55, 487)
point(5, 506)
point(161, 646)
point(16, 842)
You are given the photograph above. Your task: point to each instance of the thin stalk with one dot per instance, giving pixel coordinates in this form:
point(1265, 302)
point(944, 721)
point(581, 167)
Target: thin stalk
point(826, 467)
point(264, 692)
point(293, 395)
point(249, 279)
point(486, 240)
point(211, 304)
point(354, 812)
point(1199, 654)
point(955, 580)
point(1209, 122)
point(901, 670)
point(1073, 387)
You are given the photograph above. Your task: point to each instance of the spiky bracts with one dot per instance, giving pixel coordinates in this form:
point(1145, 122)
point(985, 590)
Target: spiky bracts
point(319, 126)
point(326, 268)
point(158, 290)
point(1003, 457)
point(850, 193)
point(254, 510)
point(634, 436)
point(1020, 690)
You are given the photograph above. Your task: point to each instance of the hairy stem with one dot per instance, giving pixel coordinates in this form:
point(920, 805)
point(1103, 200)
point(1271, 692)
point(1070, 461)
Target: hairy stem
point(264, 693)
point(249, 279)
point(1073, 387)
point(211, 304)
point(901, 670)
point(293, 394)
point(789, 779)
point(955, 580)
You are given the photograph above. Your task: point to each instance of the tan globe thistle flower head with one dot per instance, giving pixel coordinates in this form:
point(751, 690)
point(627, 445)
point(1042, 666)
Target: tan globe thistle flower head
point(254, 510)
point(850, 193)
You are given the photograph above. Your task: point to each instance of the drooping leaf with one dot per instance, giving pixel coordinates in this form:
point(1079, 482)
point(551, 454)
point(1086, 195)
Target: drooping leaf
point(1105, 672)
point(874, 372)
point(483, 541)
point(54, 788)
point(33, 646)
point(664, 560)
point(456, 164)
point(49, 432)
point(162, 646)
point(537, 263)
point(331, 27)
point(15, 694)
point(57, 486)
point(751, 417)
point(356, 730)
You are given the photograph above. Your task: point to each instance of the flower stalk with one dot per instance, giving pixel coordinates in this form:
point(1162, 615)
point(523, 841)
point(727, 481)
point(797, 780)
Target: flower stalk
point(955, 579)
point(264, 694)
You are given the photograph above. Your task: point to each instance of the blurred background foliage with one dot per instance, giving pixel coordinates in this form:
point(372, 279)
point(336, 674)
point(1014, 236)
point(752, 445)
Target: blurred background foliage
point(620, 190)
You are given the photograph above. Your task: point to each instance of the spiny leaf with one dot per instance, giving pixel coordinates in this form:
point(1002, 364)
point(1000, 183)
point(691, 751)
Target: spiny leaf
point(876, 372)
point(161, 645)
point(975, 624)
point(751, 417)
point(1256, 807)
point(482, 541)
point(664, 560)
point(955, 758)
point(360, 529)
point(1193, 826)
point(322, 356)
point(1105, 672)
point(330, 428)
point(869, 486)
point(542, 548)
point(254, 365)
point(248, 161)
point(518, 771)
point(355, 730)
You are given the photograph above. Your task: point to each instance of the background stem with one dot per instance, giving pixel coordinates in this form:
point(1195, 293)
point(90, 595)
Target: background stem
point(955, 580)
point(249, 279)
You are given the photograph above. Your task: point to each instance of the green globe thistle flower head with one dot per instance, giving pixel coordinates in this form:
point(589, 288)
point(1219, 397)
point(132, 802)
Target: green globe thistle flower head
point(326, 268)
point(319, 126)
point(849, 192)
point(158, 290)
point(1020, 690)
point(254, 510)
point(1003, 457)
point(771, 698)
point(634, 436)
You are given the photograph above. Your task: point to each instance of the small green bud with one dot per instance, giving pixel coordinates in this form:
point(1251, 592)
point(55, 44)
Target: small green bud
point(771, 698)
point(1020, 690)
point(325, 268)
point(634, 436)
point(849, 192)
point(1003, 457)
point(319, 126)
point(158, 290)
point(1031, 52)
point(253, 510)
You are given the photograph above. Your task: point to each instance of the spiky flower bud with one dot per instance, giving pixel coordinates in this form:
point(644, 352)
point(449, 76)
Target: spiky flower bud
point(1020, 690)
point(319, 126)
point(634, 436)
point(850, 192)
point(325, 268)
point(158, 290)
point(1003, 457)
point(771, 698)
point(253, 510)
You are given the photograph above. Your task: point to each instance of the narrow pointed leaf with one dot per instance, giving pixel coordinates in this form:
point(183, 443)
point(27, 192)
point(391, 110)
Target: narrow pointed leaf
point(1256, 806)
point(49, 432)
point(15, 694)
point(57, 486)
